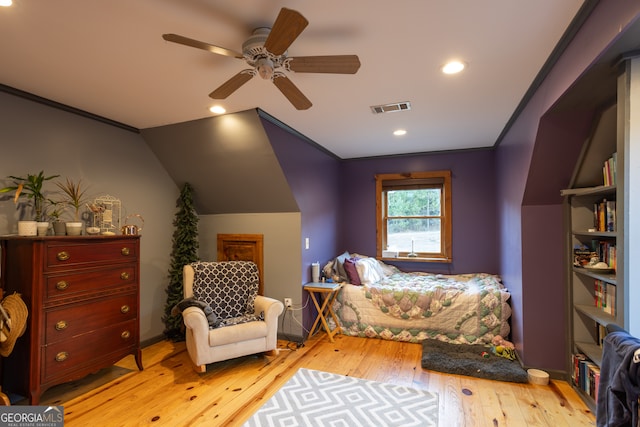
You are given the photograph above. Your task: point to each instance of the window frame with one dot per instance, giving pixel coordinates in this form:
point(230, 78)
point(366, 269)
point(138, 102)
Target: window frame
point(412, 180)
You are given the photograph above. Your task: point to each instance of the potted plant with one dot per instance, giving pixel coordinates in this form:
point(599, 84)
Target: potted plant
point(54, 211)
point(73, 196)
point(30, 187)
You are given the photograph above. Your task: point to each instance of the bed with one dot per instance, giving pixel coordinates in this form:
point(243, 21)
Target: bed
point(378, 300)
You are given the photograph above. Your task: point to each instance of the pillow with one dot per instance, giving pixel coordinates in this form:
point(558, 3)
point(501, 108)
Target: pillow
point(339, 266)
point(229, 288)
point(369, 270)
point(352, 272)
point(388, 270)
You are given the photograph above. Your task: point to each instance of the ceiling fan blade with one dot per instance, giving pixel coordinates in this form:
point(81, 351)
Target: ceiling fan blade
point(292, 93)
point(288, 26)
point(231, 85)
point(175, 38)
point(337, 64)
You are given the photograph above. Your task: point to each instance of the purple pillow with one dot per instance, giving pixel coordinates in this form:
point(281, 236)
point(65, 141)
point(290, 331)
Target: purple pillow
point(352, 273)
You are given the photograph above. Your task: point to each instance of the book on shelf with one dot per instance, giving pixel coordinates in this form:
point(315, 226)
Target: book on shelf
point(586, 375)
point(609, 170)
point(575, 375)
point(601, 332)
point(604, 251)
point(605, 296)
point(610, 296)
point(604, 215)
point(593, 372)
point(610, 215)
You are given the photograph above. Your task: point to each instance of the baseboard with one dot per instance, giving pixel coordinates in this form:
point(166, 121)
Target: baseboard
point(152, 340)
point(291, 337)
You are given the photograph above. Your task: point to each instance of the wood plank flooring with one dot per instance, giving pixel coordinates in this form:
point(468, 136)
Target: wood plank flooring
point(170, 393)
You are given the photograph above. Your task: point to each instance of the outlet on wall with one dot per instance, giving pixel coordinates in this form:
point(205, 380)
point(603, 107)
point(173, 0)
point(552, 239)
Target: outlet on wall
point(287, 302)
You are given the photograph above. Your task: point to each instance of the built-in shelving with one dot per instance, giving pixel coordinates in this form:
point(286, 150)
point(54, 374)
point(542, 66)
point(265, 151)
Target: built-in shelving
point(591, 308)
point(596, 298)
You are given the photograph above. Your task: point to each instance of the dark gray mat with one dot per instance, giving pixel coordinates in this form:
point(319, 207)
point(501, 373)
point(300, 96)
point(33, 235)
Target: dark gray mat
point(464, 359)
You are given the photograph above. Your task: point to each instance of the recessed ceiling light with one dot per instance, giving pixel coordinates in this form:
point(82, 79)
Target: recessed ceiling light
point(6, 3)
point(399, 132)
point(453, 67)
point(217, 109)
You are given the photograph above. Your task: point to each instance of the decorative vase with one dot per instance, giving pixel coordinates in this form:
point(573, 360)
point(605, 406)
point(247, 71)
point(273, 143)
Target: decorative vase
point(27, 228)
point(42, 227)
point(59, 228)
point(74, 228)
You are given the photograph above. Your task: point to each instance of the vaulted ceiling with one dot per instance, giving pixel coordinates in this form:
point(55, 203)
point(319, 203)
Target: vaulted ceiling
point(109, 58)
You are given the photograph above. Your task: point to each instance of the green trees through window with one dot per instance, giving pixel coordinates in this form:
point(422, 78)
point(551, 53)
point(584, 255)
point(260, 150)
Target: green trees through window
point(414, 215)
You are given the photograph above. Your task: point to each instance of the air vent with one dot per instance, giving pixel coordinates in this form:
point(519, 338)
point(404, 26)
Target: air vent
point(391, 108)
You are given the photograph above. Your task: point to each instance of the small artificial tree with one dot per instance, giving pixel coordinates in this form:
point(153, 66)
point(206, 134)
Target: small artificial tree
point(184, 251)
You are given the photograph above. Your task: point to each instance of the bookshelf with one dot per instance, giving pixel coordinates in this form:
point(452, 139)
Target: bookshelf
point(599, 223)
point(593, 293)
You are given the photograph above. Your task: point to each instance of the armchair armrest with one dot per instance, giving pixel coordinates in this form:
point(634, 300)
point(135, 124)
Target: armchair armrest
point(272, 307)
point(195, 319)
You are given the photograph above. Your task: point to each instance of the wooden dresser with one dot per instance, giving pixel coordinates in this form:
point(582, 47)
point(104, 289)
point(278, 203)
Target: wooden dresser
point(83, 298)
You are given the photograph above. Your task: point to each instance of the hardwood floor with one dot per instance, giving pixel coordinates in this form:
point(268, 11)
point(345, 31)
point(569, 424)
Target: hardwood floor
point(169, 392)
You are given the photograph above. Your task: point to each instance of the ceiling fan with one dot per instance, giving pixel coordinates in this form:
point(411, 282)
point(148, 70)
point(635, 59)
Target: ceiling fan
point(266, 52)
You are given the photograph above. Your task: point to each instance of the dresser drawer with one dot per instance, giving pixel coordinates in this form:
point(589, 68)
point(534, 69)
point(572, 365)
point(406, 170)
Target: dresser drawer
point(68, 285)
point(78, 254)
point(69, 321)
point(84, 350)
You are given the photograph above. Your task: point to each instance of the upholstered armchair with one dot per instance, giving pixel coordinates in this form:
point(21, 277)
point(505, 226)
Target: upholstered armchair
point(240, 322)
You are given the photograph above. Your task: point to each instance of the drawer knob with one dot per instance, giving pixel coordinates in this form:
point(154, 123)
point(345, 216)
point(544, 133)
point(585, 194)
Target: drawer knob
point(124, 275)
point(125, 251)
point(62, 356)
point(62, 285)
point(124, 309)
point(61, 325)
point(125, 335)
point(63, 256)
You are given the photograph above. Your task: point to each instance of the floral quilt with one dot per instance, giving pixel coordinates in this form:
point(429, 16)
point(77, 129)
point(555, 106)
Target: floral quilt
point(464, 308)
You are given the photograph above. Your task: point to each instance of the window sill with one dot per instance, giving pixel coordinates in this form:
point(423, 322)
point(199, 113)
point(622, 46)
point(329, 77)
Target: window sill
point(415, 259)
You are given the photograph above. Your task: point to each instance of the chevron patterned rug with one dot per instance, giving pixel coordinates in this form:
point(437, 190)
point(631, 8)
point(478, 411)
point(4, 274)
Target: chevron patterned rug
point(316, 398)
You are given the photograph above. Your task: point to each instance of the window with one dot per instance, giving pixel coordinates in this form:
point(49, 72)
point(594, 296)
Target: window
point(413, 215)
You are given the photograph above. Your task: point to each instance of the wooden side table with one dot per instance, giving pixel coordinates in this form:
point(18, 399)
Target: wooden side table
point(327, 292)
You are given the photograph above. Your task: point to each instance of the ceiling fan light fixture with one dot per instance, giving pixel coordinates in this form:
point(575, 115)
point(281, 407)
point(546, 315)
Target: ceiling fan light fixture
point(265, 68)
point(453, 67)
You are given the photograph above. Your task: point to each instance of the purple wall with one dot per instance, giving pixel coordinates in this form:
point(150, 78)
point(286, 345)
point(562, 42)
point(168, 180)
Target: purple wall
point(337, 202)
point(537, 321)
point(474, 216)
point(544, 314)
point(313, 176)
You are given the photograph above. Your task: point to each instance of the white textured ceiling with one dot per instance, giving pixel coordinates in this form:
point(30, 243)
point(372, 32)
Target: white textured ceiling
point(108, 58)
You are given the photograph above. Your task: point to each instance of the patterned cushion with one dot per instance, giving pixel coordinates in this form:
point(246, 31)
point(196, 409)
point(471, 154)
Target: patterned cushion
point(230, 287)
point(242, 319)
